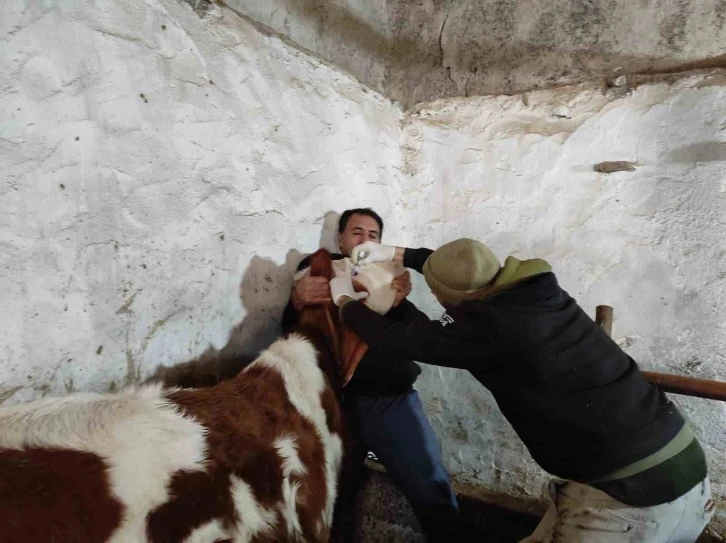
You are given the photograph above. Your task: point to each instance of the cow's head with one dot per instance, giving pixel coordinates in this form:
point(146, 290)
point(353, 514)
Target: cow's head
point(346, 346)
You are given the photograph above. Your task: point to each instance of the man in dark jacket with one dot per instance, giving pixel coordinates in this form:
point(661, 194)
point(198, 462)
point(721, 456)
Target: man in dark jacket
point(633, 469)
point(385, 411)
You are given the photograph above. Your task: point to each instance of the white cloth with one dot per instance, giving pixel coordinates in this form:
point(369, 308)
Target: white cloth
point(376, 280)
point(583, 514)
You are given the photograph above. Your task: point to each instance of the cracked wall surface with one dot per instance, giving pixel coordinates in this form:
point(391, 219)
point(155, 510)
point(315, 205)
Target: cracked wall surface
point(442, 48)
point(421, 50)
point(518, 173)
point(152, 160)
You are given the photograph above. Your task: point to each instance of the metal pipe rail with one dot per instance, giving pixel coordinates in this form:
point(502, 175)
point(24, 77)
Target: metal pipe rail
point(675, 384)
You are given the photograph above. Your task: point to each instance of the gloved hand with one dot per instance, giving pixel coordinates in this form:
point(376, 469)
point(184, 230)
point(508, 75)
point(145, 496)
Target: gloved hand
point(369, 252)
point(342, 285)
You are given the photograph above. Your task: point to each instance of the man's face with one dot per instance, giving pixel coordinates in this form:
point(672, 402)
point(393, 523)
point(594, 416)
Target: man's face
point(360, 228)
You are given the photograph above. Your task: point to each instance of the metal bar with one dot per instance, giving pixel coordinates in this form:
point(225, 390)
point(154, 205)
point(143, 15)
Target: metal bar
point(688, 386)
point(675, 384)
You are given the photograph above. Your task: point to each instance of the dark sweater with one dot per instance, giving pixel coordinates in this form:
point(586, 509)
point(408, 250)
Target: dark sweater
point(577, 401)
point(378, 373)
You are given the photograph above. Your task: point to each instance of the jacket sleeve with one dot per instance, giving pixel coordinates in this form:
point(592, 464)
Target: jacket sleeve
point(415, 258)
point(409, 333)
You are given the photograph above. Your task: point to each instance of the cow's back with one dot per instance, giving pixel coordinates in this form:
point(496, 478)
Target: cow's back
point(56, 495)
point(274, 454)
point(255, 458)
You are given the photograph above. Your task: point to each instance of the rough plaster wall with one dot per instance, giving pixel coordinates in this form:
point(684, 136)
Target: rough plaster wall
point(129, 223)
point(517, 173)
point(450, 48)
point(349, 33)
point(160, 173)
point(421, 50)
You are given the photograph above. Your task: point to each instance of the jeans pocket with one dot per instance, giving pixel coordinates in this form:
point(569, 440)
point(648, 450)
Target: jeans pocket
point(632, 517)
point(603, 524)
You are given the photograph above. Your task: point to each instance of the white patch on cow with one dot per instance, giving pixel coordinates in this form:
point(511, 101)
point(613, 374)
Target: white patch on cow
point(333, 447)
point(209, 533)
point(254, 519)
point(143, 439)
point(289, 508)
point(287, 449)
point(291, 465)
point(297, 361)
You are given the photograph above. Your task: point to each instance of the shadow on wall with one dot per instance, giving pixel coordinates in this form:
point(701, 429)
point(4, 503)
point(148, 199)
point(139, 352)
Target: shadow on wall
point(264, 293)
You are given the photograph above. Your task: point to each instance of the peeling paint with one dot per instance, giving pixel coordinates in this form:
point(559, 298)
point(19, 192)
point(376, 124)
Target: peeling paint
point(154, 329)
point(8, 392)
point(132, 372)
point(127, 304)
point(68, 384)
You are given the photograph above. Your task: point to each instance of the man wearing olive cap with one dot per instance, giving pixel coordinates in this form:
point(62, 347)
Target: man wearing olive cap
point(630, 467)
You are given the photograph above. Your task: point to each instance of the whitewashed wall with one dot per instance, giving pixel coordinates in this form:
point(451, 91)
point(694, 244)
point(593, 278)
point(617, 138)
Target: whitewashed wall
point(517, 173)
point(150, 161)
point(161, 173)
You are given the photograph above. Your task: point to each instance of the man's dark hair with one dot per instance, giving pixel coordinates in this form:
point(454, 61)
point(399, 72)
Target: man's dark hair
point(348, 213)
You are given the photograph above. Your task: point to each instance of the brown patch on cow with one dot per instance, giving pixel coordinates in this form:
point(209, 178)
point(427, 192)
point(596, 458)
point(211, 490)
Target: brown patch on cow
point(55, 495)
point(197, 498)
point(353, 351)
point(244, 417)
point(331, 406)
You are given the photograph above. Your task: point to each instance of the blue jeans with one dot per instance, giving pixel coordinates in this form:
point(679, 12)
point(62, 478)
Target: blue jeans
point(397, 430)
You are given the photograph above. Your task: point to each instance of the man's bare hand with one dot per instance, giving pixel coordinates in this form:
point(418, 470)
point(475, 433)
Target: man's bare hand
point(311, 291)
point(402, 284)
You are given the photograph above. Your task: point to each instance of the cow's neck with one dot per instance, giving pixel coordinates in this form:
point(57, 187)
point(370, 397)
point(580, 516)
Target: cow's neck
point(325, 346)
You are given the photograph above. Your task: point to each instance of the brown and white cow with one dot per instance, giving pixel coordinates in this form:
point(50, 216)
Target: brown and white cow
point(255, 458)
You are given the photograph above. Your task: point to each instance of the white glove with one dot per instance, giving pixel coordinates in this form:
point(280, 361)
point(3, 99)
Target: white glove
point(370, 251)
point(342, 285)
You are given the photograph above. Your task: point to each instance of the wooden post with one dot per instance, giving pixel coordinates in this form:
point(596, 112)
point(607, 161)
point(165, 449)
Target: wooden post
point(604, 318)
point(675, 384)
point(688, 386)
